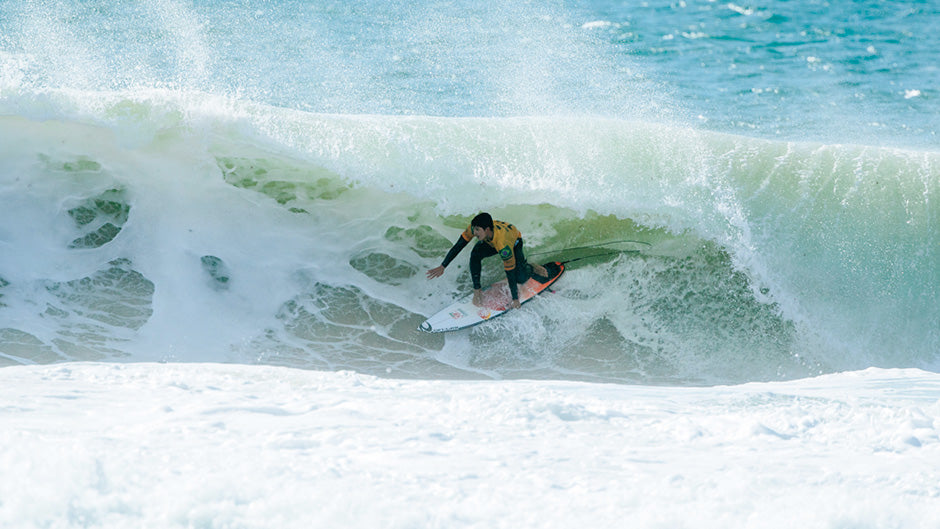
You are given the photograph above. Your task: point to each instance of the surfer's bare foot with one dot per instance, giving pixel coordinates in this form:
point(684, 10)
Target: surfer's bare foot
point(540, 270)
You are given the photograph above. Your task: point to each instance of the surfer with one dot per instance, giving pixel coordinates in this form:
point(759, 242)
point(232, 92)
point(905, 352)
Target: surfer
point(494, 237)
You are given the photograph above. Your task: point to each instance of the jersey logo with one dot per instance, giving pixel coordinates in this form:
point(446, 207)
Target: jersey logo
point(505, 253)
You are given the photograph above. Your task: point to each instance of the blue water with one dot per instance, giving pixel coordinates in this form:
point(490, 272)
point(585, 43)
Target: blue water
point(835, 71)
point(832, 71)
point(265, 181)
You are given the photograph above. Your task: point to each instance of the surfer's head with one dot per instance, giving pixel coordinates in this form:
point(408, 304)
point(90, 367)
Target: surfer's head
point(482, 226)
point(483, 220)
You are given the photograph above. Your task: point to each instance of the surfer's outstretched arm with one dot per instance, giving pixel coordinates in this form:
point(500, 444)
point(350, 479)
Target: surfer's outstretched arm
point(455, 249)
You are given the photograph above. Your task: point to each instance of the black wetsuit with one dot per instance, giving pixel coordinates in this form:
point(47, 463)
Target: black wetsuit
point(512, 255)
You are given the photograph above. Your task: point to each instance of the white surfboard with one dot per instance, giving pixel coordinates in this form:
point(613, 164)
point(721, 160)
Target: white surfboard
point(496, 300)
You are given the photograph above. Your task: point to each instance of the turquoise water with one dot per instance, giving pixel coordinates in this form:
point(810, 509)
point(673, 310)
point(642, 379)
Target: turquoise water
point(832, 71)
point(837, 72)
point(265, 182)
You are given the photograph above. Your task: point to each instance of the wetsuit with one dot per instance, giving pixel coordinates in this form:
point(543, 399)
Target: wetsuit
point(507, 243)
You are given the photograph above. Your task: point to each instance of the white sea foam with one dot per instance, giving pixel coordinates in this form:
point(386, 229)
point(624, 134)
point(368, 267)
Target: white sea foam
point(144, 445)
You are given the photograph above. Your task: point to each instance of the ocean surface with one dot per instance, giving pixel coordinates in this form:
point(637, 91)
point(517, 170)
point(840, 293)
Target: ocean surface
point(216, 217)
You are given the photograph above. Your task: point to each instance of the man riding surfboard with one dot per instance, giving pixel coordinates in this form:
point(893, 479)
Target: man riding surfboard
point(494, 238)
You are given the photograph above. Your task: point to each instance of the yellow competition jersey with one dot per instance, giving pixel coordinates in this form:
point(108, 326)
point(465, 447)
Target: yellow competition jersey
point(504, 237)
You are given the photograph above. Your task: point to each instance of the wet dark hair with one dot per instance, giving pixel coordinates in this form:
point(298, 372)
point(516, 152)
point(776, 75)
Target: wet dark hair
point(483, 220)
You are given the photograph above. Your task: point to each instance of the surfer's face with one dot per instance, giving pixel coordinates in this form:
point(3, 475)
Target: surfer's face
point(484, 234)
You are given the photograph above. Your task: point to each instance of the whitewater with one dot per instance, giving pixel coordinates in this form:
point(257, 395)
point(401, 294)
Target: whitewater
point(215, 221)
point(196, 445)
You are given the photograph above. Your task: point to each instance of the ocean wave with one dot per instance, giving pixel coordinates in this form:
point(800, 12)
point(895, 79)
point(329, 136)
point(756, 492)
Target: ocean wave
point(165, 225)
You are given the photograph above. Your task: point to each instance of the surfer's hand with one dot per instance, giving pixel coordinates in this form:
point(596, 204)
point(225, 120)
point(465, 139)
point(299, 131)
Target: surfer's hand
point(478, 298)
point(516, 304)
point(435, 272)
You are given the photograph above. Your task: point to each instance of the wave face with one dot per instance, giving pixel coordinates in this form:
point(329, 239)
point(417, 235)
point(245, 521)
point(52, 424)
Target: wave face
point(173, 225)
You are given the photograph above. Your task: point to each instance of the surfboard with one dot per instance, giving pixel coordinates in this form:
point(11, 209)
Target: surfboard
point(496, 300)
